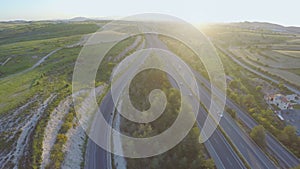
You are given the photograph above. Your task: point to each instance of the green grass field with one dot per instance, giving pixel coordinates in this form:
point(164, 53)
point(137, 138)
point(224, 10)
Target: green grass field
point(12, 33)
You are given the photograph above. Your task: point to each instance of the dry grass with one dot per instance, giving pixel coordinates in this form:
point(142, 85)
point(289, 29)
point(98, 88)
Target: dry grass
point(264, 63)
point(292, 53)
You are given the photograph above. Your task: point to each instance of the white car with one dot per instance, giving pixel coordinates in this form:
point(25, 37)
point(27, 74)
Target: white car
point(220, 114)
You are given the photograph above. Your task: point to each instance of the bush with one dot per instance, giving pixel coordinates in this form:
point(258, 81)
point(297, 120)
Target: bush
point(289, 138)
point(65, 127)
point(61, 138)
point(258, 88)
point(259, 136)
point(232, 113)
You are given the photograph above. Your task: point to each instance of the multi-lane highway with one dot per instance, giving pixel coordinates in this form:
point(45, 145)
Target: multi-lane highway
point(218, 147)
point(285, 158)
point(254, 156)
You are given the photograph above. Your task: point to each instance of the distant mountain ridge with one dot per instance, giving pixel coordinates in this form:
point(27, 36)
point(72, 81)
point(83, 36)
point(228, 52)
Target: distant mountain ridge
point(246, 25)
point(268, 26)
point(75, 19)
point(79, 19)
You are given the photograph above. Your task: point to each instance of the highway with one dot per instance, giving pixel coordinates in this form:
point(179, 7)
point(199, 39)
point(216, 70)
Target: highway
point(96, 157)
point(254, 156)
point(285, 158)
point(248, 149)
point(218, 147)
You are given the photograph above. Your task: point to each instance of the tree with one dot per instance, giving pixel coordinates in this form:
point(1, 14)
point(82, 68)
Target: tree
point(291, 133)
point(248, 100)
point(258, 135)
point(283, 137)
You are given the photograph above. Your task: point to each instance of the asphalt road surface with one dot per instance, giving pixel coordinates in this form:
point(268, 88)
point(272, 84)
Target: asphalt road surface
point(217, 145)
point(285, 158)
point(254, 156)
point(96, 157)
point(219, 148)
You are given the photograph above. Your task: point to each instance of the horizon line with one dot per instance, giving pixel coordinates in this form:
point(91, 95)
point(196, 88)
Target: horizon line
point(99, 18)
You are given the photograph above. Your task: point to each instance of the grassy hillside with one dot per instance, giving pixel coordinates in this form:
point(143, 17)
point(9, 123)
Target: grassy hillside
point(29, 94)
point(11, 33)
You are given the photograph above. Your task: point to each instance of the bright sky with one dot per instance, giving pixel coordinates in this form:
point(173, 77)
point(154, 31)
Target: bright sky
point(198, 11)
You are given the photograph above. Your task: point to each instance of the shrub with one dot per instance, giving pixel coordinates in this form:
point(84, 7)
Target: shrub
point(259, 136)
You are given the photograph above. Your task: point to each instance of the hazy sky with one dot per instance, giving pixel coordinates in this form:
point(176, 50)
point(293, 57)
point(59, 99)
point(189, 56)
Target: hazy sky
point(285, 12)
